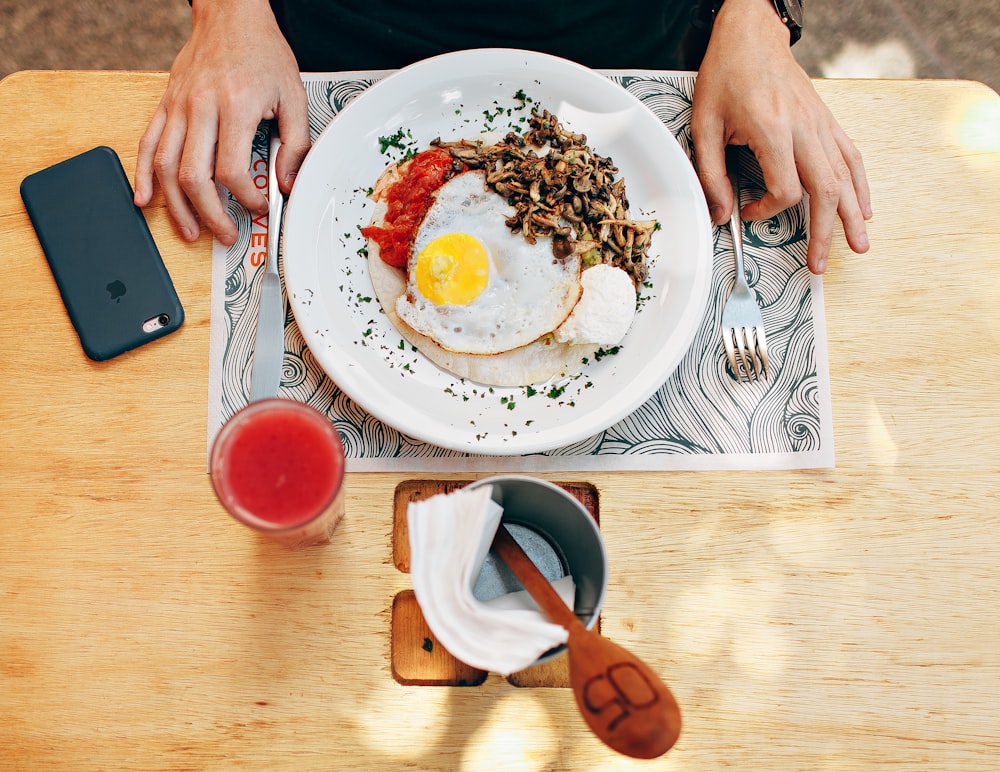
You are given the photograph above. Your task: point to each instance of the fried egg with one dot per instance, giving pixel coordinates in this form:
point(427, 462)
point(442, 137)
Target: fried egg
point(475, 287)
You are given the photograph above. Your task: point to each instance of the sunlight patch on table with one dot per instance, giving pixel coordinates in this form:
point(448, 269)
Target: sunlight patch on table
point(518, 735)
point(884, 449)
point(733, 617)
point(428, 713)
point(805, 543)
point(760, 646)
point(978, 123)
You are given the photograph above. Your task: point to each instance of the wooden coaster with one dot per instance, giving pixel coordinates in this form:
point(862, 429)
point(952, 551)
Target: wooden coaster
point(418, 659)
point(418, 490)
point(406, 492)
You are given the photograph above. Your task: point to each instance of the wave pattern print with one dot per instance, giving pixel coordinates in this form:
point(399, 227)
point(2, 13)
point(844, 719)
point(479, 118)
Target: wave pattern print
point(242, 293)
point(699, 412)
point(328, 98)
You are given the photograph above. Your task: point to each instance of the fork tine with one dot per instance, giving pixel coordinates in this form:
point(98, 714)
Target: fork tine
point(741, 344)
point(728, 335)
point(762, 347)
point(752, 341)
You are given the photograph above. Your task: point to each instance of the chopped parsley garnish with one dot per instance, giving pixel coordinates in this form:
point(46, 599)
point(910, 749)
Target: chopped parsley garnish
point(395, 140)
point(401, 140)
point(523, 98)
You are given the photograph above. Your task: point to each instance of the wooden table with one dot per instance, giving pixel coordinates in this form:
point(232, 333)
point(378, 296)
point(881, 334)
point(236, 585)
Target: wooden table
point(807, 620)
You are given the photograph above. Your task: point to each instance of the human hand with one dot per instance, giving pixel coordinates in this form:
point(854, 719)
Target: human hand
point(235, 70)
point(751, 91)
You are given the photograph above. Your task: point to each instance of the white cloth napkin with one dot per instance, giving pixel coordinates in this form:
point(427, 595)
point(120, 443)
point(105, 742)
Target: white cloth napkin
point(450, 536)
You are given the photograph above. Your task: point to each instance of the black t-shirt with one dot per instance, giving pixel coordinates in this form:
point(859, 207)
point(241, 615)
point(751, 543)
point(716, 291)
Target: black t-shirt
point(330, 35)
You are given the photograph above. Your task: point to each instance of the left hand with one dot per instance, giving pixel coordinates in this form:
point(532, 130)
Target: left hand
point(751, 91)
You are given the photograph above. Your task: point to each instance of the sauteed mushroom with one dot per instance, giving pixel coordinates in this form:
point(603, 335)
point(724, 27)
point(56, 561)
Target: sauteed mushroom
point(559, 187)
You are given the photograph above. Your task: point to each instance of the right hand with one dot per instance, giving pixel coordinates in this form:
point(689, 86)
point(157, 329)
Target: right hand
point(751, 91)
point(235, 70)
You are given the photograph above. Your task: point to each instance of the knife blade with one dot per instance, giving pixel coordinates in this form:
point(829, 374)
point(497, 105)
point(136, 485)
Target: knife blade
point(269, 344)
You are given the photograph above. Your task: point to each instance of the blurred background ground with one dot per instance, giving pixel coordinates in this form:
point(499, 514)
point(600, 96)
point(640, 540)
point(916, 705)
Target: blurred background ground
point(844, 38)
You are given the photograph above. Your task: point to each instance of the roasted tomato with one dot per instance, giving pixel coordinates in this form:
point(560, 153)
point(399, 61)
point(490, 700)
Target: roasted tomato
point(407, 199)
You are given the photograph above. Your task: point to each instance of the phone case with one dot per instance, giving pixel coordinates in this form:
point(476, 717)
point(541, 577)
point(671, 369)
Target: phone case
point(112, 279)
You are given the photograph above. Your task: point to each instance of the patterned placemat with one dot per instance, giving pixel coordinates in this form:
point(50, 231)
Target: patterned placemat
point(701, 418)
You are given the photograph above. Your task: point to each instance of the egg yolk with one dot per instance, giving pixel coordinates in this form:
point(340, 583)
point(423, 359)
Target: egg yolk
point(452, 269)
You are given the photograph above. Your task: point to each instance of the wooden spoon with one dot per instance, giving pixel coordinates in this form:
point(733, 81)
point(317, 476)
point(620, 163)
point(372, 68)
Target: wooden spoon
point(622, 700)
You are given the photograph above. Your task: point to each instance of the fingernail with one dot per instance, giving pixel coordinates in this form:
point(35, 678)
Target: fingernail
point(715, 211)
point(820, 266)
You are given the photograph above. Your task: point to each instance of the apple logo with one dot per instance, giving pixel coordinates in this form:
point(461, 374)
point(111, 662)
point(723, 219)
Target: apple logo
point(116, 289)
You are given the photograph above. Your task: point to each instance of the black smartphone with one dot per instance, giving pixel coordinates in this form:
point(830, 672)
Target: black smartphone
point(110, 274)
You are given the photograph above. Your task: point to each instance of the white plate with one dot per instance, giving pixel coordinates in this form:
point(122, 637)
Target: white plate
point(327, 280)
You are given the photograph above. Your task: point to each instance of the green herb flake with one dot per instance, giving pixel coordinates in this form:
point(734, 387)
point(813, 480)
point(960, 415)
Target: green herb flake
point(394, 140)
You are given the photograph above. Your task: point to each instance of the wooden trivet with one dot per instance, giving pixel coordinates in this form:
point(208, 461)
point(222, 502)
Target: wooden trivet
point(418, 659)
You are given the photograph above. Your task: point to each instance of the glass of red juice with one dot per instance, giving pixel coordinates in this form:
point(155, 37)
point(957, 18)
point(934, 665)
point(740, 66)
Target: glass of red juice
point(277, 466)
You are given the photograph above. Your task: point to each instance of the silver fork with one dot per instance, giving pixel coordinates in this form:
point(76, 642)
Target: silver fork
point(742, 323)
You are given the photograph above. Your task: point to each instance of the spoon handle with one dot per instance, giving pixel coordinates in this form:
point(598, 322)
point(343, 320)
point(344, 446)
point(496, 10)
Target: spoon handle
point(622, 700)
point(533, 579)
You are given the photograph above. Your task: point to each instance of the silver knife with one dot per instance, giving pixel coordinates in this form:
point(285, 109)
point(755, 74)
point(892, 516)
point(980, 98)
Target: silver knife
point(269, 345)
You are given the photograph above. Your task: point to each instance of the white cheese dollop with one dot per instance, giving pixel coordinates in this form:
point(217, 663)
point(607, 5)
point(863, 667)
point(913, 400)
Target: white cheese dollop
point(605, 310)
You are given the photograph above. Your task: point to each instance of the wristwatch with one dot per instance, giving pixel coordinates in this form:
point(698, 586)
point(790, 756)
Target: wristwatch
point(790, 12)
